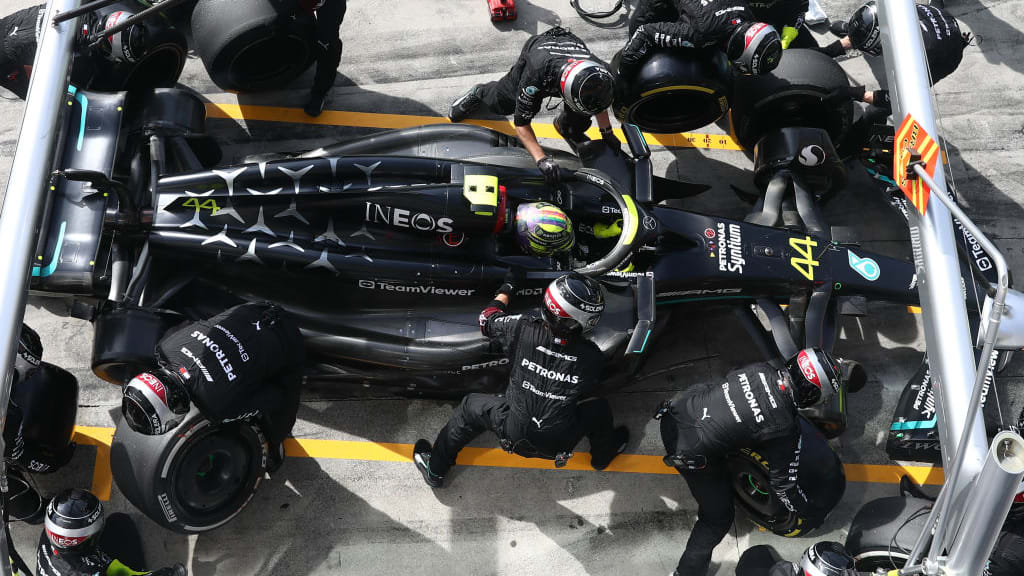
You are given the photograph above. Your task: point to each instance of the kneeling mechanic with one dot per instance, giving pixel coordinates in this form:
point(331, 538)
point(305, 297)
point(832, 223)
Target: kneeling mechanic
point(245, 363)
point(545, 410)
point(755, 408)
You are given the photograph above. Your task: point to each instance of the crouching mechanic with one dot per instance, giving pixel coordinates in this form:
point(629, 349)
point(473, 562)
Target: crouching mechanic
point(821, 559)
point(545, 410)
point(753, 47)
point(245, 363)
point(78, 541)
point(755, 408)
point(555, 63)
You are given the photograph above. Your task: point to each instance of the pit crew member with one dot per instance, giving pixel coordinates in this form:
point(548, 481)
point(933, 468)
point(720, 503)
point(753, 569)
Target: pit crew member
point(755, 408)
point(328, 46)
point(78, 541)
point(245, 363)
point(555, 63)
point(545, 410)
point(753, 47)
point(19, 33)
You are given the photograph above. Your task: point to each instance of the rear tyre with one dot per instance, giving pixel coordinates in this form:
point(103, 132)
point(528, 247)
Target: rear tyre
point(252, 45)
point(124, 341)
point(194, 478)
point(159, 68)
point(675, 91)
point(883, 532)
point(794, 94)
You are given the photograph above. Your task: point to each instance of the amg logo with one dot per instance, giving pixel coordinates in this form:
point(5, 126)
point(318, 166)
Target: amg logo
point(165, 504)
point(482, 365)
point(701, 292)
point(566, 357)
point(401, 218)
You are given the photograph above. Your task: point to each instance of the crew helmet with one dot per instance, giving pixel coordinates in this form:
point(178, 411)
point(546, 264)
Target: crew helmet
point(812, 371)
point(573, 303)
point(154, 402)
point(128, 45)
point(74, 520)
point(588, 87)
point(543, 229)
point(827, 559)
point(865, 35)
point(754, 48)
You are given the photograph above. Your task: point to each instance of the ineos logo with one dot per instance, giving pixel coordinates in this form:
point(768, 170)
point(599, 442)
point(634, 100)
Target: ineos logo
point(812, 155)
point(807, 367)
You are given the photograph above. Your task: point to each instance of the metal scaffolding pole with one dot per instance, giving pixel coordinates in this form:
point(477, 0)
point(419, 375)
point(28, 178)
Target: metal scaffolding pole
point(947, 333)
point(23, 201)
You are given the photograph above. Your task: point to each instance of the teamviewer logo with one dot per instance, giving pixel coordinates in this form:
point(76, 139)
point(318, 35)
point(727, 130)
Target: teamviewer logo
point(368, 284)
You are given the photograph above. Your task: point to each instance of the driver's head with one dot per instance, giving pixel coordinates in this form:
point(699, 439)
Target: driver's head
point(543, 229)
point(865, 35)
point(573, 304)
point(154, 402)
point(827, 559)
point(754, 48)
point(587, 86)
point(814, 375)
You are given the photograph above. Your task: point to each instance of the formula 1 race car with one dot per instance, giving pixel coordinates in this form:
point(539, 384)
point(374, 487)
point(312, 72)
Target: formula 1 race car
point(386, 248)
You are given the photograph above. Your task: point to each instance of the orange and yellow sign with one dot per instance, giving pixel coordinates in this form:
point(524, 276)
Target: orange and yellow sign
point(912, 136)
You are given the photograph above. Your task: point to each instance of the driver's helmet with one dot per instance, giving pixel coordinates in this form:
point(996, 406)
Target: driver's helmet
point(74, 521)
point(573, 303)
point(587, 86)
point(827, 559)
point(154, 402)
point(865, 35)
point(543, 229)
point(754, 48)
point(128, 45)
point(812, 371)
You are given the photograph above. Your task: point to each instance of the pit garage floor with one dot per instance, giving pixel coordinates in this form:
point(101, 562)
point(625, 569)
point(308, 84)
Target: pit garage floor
point(349, 512)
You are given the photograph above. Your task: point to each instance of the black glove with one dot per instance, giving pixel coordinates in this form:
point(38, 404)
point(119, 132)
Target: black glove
point(608, 135)
point(176, 570)
point(513, 280)
point(881, 99)
point(549, 168)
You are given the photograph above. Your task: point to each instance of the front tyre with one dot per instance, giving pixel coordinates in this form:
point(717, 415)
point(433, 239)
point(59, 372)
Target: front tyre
point(196, 477)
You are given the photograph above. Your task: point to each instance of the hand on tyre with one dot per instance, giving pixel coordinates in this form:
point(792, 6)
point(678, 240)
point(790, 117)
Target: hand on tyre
point(549, 168)
point(608, 135)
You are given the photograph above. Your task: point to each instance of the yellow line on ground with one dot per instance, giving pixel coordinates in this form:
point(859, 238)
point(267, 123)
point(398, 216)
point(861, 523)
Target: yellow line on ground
point(493, 457)
point(393, 121)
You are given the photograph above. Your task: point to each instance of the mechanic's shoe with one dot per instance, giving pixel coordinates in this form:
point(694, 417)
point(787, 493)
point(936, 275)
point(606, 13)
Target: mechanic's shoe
point(315, 105)
point(465, 105)
point(853, 374)
point(839, 29)
point(421, 456)
point(621, 438)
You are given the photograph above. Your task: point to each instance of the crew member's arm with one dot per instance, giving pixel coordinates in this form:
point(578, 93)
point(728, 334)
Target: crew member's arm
point(680, 33)
point(604, 124)
point(495, 323)
point(837, 48)
point(527, 105)
point(783, 456)
point(117, 568)
point(794, 21)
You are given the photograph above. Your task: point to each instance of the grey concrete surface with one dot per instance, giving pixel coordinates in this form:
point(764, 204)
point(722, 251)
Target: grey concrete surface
point(351, 517)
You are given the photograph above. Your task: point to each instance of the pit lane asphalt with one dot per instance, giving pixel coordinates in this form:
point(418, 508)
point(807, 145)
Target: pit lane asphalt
point(325, 516)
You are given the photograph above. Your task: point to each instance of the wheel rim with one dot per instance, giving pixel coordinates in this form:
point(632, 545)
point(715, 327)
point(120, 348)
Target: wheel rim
point(269, 61)
point(884, 559)
point(212, 473)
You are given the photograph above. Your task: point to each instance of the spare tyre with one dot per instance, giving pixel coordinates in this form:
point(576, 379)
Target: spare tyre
point(194, 478)
point(796, 93)
point(821, 477)
point(675, 91)
point(253, 45)
point(884, 530)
